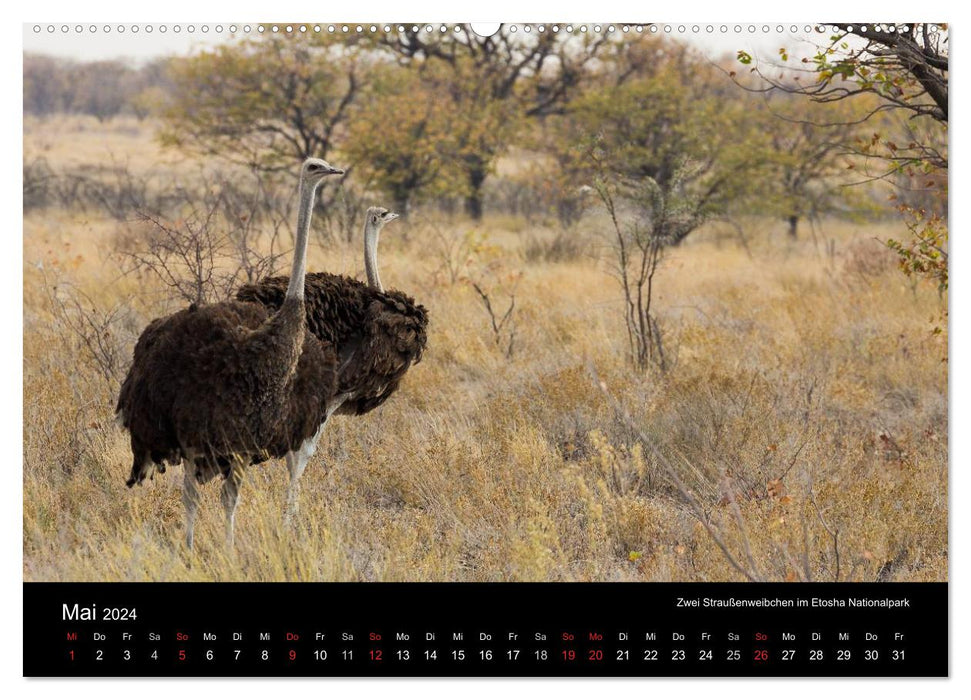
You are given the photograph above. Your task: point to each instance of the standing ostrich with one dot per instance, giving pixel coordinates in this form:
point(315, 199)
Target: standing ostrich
point(223, 386)
point(378, 334)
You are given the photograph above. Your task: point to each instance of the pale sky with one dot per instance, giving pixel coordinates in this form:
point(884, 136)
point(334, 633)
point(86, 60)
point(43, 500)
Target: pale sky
point(149, 41)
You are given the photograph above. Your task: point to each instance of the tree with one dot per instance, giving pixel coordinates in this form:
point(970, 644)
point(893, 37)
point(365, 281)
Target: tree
point(150, 101)
point(101, 88)
point(149, 91)
point(905, 67)
point(664, 155)
point(405, 141)
point(496, 82)
point(98, 88)
point(264, 103)
point(45, 85)
point(677, 154)
point(809, 165)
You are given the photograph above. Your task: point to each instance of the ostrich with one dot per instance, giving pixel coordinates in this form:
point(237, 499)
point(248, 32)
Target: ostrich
point(223, 386)
point(378, 334)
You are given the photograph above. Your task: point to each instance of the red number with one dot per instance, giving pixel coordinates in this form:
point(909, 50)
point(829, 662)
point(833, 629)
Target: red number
point(375, 655)
point(569, 655)
point(596, 655)
point(181, 654)
point(761, 654)
point(71, 652)
point(293, 655)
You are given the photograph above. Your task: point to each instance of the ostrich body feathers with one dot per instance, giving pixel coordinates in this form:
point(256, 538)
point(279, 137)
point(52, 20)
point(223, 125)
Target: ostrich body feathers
point(377, 335)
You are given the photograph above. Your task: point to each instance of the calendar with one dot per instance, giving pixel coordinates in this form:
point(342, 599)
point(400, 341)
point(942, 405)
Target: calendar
point(659, 630)
point(394, 349)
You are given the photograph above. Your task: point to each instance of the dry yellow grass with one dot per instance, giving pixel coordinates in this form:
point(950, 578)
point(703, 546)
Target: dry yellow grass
point(807, 398)
point(76, 141)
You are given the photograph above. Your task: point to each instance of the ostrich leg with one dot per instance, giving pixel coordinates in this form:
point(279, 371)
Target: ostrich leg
point(296, 463)
point(190, 498)
point(230, 497)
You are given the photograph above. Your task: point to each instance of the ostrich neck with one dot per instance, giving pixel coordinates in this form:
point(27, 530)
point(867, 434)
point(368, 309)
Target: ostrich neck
point(371, 257)
point(299, 270)
point(282, 340)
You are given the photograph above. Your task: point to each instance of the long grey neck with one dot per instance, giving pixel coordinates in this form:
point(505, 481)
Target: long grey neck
point(299, 271)
point(371, 256)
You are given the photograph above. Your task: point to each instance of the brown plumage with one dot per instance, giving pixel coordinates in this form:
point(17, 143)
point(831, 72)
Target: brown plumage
point(224, 386)
point(378, 335)
point(223, 383)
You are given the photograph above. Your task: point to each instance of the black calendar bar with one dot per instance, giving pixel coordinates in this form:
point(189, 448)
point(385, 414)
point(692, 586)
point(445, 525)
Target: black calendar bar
point(477, 629)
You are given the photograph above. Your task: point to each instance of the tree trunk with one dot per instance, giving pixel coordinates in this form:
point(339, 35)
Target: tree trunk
point(401, 205)
point(402, 193)
point(793, 226)
point(473, 201)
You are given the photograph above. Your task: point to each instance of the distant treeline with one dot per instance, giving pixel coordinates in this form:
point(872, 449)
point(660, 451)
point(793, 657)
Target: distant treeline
point(425, 118)
point(102, 89)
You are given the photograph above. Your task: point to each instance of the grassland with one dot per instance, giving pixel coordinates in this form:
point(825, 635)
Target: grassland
point(804, 413)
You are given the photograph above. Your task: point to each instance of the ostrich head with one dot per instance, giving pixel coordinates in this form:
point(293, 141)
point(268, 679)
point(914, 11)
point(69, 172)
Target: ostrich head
point(316, 169)
point(379, 216)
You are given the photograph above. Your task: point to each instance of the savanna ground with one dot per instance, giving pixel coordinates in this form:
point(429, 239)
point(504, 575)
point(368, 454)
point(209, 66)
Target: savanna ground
point(801, 423)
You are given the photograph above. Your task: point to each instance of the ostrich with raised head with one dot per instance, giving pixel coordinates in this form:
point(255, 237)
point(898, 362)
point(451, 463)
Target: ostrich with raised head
point(378, 334)
point(224, 386)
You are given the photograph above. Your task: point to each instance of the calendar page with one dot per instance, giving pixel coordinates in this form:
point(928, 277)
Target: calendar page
point(406, 349)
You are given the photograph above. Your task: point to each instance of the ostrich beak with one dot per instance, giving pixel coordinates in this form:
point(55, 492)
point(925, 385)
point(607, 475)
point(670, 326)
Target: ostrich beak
point(391, 216)
point(334, 171)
